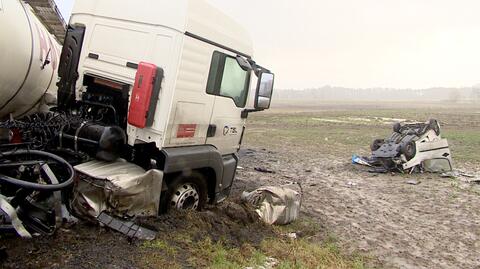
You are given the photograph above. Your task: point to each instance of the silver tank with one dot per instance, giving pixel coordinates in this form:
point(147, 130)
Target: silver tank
point(29, 58)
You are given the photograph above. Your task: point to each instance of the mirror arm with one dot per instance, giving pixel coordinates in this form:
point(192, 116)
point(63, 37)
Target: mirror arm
point(245, 112)
point(257, 68)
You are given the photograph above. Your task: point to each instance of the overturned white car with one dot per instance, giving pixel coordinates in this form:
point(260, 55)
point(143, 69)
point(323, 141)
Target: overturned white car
point(411, 147)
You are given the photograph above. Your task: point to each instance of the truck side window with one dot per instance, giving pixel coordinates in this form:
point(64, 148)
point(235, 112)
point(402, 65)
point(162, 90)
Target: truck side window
point(228, 79)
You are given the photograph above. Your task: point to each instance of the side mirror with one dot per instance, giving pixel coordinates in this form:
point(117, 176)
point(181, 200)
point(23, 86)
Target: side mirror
point(263, 97)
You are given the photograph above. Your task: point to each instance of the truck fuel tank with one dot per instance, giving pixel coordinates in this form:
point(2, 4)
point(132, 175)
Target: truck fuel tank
point(102, 142)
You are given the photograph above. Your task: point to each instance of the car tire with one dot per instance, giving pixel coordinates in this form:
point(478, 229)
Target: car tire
point(376, 144)
point(397, 127)
point(409, 150)
point(433, 124)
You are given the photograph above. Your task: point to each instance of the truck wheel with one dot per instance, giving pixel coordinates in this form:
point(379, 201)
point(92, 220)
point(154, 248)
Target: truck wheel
point(186, 193)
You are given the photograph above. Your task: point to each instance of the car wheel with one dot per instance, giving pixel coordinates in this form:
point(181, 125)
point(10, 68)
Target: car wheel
point(377, 143)
point(433, 124)
point(397, 127)
point(409, 150)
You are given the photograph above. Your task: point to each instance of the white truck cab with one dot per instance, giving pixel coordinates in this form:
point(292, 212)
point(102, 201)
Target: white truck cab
point(175, 77)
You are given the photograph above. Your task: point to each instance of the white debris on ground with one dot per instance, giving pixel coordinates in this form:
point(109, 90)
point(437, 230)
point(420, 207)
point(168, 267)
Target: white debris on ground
point(291, 235)
point(270, 263)
point(462, 176)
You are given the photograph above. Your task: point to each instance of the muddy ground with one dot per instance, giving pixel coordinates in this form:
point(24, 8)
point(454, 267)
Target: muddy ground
point(179, 236)
point(430, 225)
point(435, 224)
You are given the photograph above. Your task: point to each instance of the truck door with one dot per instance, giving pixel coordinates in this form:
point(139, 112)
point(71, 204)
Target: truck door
point(229, 83)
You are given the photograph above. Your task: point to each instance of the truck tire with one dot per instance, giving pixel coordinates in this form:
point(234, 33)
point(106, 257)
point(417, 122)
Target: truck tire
point(185, 193)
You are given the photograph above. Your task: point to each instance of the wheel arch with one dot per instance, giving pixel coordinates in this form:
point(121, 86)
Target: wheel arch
point(208, 175)
point(205, 160)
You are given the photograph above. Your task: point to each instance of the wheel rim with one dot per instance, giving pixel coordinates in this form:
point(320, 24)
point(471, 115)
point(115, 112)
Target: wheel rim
point(185, 197)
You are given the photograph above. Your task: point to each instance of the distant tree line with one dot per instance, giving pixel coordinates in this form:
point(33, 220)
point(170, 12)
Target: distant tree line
point(440, 94)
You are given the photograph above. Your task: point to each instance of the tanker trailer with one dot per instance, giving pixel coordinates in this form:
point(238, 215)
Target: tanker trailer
point(29, 57)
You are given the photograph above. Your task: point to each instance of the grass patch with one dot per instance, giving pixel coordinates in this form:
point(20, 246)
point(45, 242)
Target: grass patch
point(217, 255)
point(305, 254)
point(278, 251)
point(162, 246)
point(345, 132)
point(464, 144)
point(159, 254)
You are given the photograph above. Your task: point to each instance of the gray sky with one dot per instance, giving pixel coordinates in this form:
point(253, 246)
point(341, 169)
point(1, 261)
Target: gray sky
point(361, 43)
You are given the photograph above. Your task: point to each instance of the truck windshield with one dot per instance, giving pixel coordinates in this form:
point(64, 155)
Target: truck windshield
point(228, 79)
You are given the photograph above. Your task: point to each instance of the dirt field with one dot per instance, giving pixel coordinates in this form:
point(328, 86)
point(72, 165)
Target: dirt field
point(435, 224)
point(351, 218)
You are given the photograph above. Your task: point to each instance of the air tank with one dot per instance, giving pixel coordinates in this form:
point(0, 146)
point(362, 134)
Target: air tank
point(29, 57)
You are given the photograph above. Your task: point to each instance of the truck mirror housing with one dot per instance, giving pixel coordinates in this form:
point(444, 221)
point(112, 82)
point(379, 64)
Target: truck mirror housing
point(243, 63)
point(263, 96)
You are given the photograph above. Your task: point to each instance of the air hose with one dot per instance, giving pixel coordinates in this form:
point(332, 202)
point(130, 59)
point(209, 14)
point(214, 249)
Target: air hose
point(37, 186)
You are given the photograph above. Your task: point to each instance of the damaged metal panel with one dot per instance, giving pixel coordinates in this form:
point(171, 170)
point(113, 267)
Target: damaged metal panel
point(428, 150)
point(15, 221)
point(119, 188)
point(275, 205)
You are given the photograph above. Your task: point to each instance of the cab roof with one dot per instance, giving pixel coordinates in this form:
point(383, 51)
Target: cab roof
point(197, 17)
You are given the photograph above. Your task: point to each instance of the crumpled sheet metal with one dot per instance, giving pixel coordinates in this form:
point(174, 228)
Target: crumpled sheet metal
point(119, 188)
point(275, 205)
point(17, 224)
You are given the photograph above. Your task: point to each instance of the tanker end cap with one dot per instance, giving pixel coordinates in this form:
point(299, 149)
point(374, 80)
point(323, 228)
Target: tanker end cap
point(111, 144)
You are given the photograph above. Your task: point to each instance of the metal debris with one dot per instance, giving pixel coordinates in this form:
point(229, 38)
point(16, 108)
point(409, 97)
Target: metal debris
point(361, 160)
point(291, 235)
point(264, 170)
point(127, 228)
point(270, 263)
point(352, 184)
point(15, 221)
point(465, 177)
point(275, 205)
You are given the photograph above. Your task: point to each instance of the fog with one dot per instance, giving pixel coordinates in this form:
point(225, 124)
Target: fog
point(361, 44)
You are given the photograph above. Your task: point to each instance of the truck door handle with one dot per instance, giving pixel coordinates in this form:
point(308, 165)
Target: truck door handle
point(212, 130)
